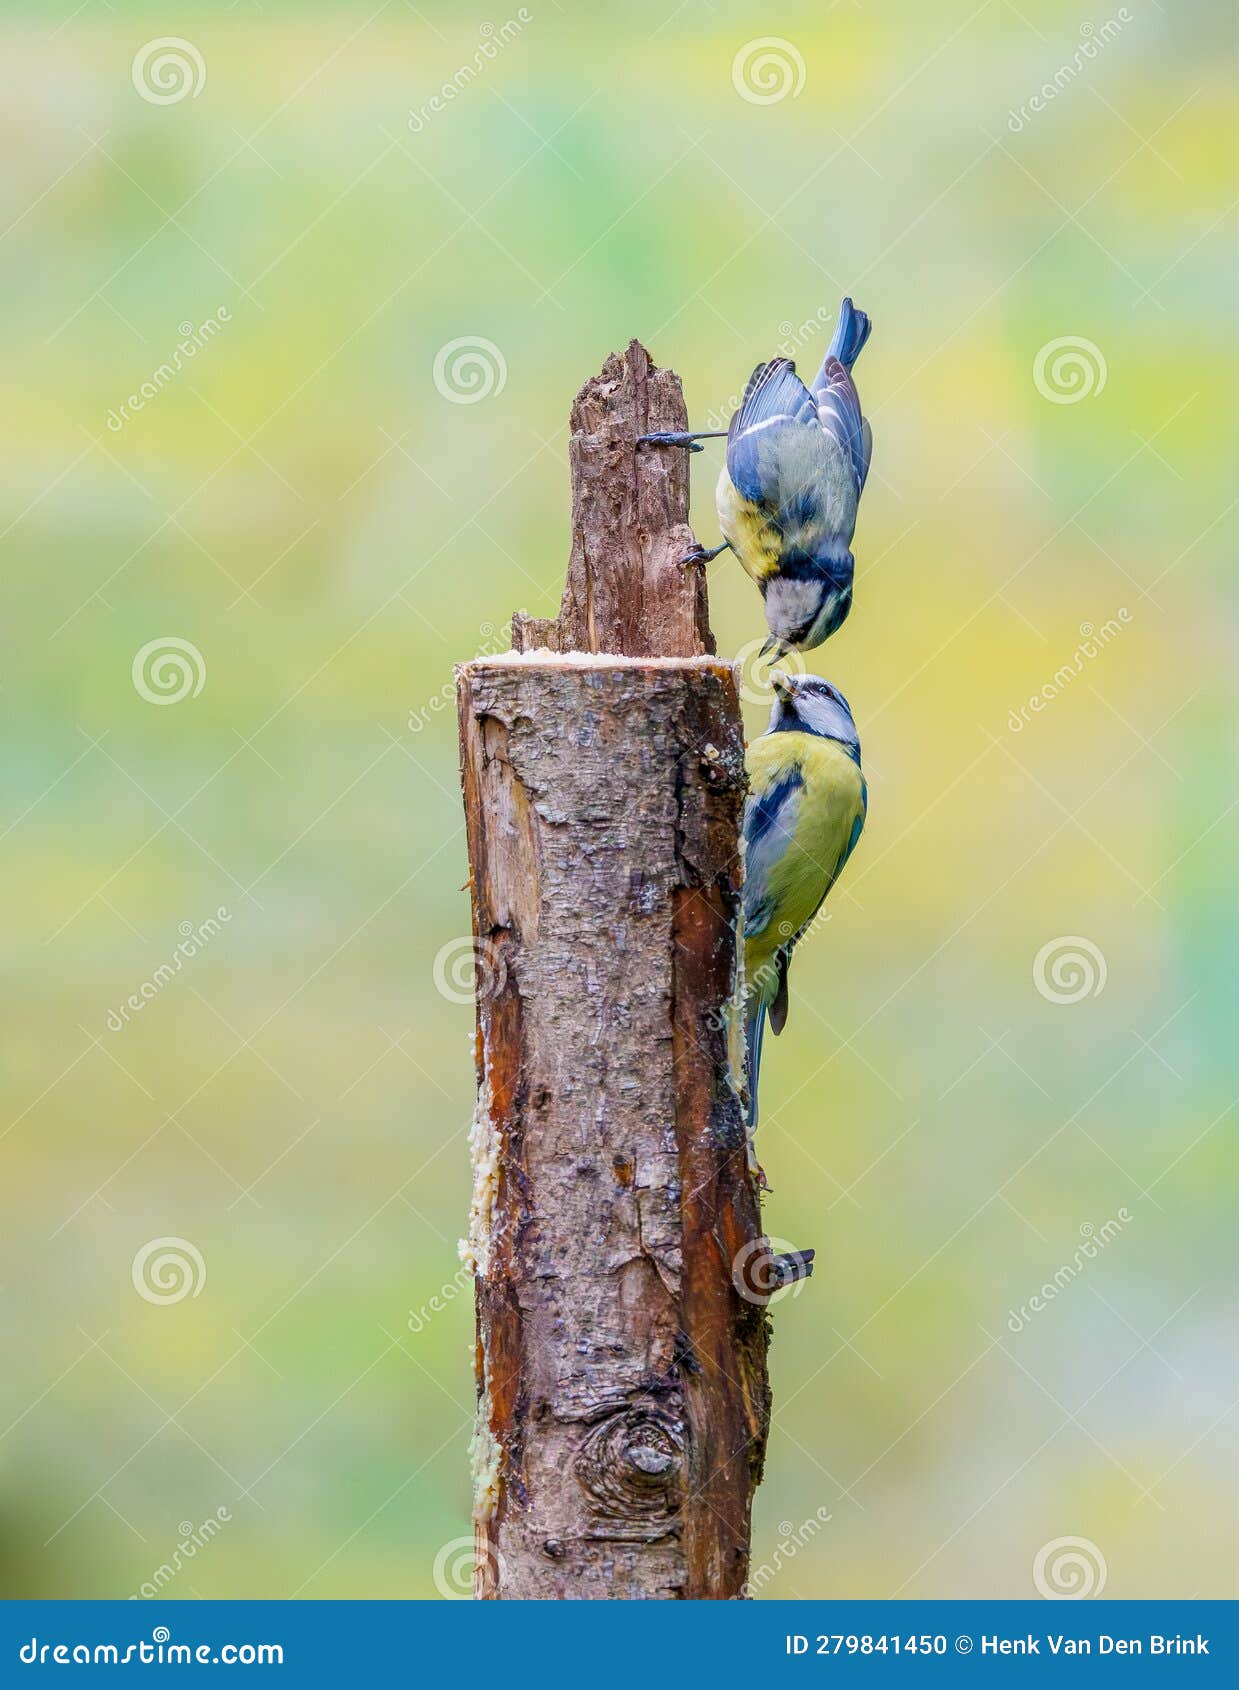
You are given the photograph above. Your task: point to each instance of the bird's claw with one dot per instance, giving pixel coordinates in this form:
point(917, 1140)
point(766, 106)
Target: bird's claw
point(793, 1265)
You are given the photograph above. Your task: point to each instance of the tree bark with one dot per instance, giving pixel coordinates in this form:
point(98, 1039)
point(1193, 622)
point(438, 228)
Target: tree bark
point(623, 1401)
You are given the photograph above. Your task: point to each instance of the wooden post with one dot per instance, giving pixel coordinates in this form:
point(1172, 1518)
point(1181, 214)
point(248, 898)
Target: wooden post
point(623, 1401)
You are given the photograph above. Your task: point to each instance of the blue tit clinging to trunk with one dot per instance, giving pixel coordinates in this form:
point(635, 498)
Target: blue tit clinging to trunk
point(797, 460)
point(805, 811)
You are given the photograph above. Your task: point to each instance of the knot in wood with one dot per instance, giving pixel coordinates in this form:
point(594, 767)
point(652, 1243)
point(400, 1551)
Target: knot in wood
point(630, 1465)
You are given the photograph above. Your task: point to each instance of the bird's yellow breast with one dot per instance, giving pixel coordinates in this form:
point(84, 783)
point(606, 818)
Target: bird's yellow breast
point(830, 802)
point(753, 537)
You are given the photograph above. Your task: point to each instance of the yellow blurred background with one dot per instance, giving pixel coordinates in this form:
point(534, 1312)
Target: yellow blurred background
point(327, 513)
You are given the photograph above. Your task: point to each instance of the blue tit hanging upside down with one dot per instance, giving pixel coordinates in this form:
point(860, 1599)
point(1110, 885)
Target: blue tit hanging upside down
point(797, 459)
point(806, 808)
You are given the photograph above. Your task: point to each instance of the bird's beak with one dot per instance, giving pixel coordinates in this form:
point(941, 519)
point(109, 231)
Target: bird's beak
point(774, 645)
point(781, 683)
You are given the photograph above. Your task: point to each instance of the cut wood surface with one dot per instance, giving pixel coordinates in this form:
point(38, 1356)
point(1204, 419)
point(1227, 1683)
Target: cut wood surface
point(623, 1401)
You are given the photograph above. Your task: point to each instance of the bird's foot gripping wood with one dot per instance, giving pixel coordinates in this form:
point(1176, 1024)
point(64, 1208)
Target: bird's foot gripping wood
point(701, 555)
point(683, 439)
point(791, 1266)
point(760, 1273)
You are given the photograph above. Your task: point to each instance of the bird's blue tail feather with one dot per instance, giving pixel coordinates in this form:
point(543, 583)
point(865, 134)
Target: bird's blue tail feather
point(851, 333)
point(753, 1033)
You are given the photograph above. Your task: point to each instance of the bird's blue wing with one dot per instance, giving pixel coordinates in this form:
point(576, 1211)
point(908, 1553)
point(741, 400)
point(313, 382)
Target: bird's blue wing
point(769, 827)
point(775, 398)
point(838, 410)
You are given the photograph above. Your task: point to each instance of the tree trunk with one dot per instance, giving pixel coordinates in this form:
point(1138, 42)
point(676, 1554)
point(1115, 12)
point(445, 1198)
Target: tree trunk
point(623, 1401)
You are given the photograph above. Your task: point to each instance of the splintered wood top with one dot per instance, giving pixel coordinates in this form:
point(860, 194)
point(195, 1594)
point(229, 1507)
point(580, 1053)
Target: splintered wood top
point(627, 593)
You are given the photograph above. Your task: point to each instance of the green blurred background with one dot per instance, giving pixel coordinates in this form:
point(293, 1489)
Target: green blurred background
point(330, 530)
